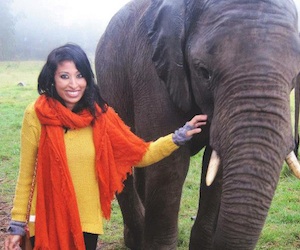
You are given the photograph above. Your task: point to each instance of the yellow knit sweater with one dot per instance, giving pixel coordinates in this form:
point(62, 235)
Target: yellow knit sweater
point(80, 154)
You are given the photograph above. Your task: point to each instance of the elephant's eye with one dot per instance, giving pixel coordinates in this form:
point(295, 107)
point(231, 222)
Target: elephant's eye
point(206, 74)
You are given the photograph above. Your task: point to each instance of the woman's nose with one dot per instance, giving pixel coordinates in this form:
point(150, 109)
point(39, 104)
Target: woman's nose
point(73, 81)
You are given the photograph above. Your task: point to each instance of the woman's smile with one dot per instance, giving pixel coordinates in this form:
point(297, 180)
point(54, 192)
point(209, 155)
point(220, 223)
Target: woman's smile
point(72, 93)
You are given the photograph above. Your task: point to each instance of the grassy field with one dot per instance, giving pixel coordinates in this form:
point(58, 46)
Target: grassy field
point(282, 228)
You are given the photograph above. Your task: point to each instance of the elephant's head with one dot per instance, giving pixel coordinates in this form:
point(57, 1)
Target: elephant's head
point(236, 60)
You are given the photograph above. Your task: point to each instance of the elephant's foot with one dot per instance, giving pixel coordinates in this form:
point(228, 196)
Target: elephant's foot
point(131, 240)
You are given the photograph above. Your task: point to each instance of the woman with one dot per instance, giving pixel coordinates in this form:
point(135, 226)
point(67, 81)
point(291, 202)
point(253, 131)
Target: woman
point(83, 152)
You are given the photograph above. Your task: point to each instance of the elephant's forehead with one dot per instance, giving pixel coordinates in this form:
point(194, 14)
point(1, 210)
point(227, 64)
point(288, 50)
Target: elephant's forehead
point(240, 31)
point(255, 6)
point(252, 13)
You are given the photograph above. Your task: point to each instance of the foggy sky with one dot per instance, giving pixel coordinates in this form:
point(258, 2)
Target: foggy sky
point(297, 3)
point(42, 25)
point(68, 12)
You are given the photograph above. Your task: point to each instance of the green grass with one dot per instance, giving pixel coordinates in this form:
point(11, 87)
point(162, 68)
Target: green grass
point(13, 101)
point(282, 228)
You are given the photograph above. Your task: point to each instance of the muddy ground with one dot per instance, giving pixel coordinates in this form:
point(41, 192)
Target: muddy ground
point(5, 208)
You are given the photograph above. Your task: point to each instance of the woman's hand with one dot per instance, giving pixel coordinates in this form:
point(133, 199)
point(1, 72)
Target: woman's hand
point(196, 122)
point(12, 242)
point(185, 133)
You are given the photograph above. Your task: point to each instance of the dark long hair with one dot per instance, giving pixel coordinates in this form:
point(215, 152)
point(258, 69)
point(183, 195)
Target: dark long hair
point(74, 53)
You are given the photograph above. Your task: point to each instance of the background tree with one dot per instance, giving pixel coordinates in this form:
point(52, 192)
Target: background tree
point(7, 23)
point(41, 27)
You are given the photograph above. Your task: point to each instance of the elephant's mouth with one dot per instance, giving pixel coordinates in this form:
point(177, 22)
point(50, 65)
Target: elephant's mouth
point(215, 160)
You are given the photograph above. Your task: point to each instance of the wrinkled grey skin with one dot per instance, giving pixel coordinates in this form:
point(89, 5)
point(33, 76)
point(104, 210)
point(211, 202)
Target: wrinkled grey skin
point(161, 62)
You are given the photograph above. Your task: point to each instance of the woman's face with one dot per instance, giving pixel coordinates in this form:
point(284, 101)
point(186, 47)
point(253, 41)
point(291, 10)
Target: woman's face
point(69, 83)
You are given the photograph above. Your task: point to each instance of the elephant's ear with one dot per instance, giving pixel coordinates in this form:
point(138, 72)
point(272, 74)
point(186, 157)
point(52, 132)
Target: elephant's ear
point(165, 21)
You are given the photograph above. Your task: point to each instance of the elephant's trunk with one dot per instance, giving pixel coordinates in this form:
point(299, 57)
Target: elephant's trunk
point(251, 132)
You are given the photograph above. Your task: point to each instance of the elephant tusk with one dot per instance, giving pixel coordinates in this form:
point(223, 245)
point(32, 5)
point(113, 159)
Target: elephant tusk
point(293, 164)
point(213, 167)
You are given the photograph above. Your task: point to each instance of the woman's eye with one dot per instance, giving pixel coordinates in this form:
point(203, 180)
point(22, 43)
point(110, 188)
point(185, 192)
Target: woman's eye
point(64, 76)
point(79, 76)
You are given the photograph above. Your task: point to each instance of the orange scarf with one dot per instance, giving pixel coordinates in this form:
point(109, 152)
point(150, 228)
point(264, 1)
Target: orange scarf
point(117, 150)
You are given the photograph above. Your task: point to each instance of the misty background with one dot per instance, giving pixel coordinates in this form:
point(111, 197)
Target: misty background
point(30, 29)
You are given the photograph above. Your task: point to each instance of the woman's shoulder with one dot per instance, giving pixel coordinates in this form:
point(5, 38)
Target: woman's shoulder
point(112, 114)
point(30, 110)
point(30, 107)
point(30, 113)
point(115, 120)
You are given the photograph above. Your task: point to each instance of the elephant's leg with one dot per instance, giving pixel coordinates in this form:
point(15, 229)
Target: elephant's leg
point(205, 223)
point(133, 215)
point(162, 200)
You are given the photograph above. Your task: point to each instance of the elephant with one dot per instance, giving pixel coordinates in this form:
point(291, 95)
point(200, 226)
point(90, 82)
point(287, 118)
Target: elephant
point(160, 62)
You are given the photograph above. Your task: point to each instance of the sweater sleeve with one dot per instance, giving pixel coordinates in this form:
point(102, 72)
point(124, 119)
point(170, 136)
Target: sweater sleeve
point(158, 150)
point(30, 133)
